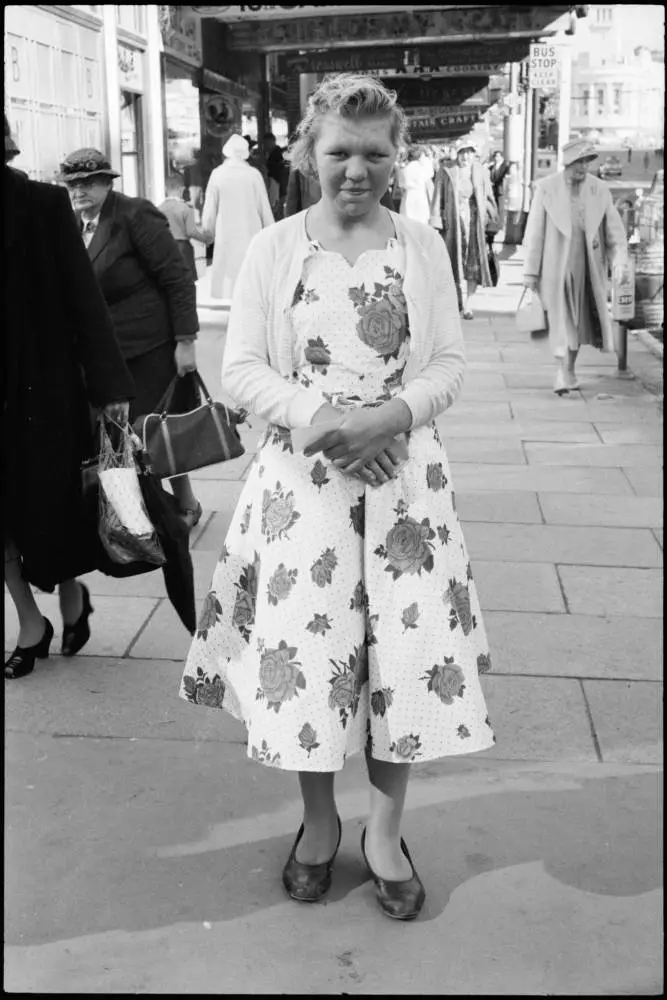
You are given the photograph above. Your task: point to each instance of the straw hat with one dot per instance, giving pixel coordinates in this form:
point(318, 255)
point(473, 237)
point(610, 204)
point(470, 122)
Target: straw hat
point(578, 149)
point(84, 163)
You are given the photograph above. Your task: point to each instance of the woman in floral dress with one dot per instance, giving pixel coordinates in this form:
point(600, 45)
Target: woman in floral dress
point(342, 615)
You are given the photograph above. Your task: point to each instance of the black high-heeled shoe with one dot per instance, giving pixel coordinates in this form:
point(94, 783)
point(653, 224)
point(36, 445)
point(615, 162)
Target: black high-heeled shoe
point(402, 900)
point(77, 635)
point(308, 883)
point(22, 660)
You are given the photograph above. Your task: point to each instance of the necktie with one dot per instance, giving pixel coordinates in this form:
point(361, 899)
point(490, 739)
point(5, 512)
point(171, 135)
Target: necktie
point(89, 231)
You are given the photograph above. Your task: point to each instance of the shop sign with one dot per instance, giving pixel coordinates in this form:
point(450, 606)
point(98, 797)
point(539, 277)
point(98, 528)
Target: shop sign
point(415, 92)
point(445, 72)
point(444, 119)
point(409, 27)
point(543, 67)
point(181, 35)
point(130, 68)
point(546, 163)
point(481, 59)
point(271, 12)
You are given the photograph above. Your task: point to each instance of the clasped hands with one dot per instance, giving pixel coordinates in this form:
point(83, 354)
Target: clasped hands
point(366, 442)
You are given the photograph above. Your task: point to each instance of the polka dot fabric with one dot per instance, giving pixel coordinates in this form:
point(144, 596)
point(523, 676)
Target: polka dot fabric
point(342, 616)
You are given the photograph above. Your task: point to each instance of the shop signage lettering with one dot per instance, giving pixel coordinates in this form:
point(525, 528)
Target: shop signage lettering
point(447, 118)
point(416, 92)
point(543, 67)
point(405, 26)
point(268, 12)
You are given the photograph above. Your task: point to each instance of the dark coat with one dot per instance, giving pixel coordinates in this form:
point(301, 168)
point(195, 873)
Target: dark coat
point(148, 288)
point(60, 355)
point(498, 175)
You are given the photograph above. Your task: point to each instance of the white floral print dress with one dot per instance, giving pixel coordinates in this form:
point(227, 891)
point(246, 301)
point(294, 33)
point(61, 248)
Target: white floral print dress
point(342, 616)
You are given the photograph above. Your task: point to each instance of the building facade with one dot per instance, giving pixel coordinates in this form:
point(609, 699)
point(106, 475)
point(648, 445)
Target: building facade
point(618, 92)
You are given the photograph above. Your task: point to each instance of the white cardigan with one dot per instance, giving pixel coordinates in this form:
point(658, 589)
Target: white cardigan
point(259, 354)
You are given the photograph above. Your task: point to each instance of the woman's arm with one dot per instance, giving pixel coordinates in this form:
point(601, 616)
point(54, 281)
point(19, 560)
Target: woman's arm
point(533, 240)
point(247, 374)
point(614, 235)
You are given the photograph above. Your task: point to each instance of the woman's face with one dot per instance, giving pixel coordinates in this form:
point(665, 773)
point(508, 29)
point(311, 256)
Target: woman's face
point(354, 159)
point(464, 157)
point(577, 171)
point(88, 195)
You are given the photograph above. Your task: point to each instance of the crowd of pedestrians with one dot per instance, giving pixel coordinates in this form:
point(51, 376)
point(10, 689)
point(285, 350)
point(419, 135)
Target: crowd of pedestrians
point(350, 262)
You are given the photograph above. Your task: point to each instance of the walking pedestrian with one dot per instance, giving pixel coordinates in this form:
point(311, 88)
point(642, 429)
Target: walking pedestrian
point(498, 171)
point(417, 186)
point(461, 208)
point(573, 234)
point(236, 208)
point(323, 630)
point(61, 356)
point(182, 221)
point(147, 287)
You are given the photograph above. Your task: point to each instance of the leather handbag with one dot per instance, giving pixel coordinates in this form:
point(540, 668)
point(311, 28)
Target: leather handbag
point(178, 443)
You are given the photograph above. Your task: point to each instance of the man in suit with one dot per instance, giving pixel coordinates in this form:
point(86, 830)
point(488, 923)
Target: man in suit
point(148, 289)
point(498, 171)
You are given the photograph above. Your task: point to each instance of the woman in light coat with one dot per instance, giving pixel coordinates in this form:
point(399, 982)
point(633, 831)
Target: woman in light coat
point(573, 236)
point(236, 208)
point(417, 186)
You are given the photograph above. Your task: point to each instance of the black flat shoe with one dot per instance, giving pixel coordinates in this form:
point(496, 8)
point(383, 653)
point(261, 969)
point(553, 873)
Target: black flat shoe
point(76, 636)
point(398, 900)
point(308, 883)
point(22, 660)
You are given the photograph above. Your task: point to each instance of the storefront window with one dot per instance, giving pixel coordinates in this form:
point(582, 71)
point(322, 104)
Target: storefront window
point(181, 98)
point(131, 145)
point(131, 16)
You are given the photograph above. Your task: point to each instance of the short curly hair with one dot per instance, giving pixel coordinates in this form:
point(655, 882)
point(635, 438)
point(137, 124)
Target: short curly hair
point(350, 95)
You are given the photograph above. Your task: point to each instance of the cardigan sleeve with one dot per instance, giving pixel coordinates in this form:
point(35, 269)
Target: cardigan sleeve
point(439, 383)
point(533, 240)
point(247, 373)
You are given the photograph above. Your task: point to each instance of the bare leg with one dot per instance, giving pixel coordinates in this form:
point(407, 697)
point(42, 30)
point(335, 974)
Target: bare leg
point(31, 620)
point(571, 360)
point(71, 601)
point(320, 817)
point(389, 783)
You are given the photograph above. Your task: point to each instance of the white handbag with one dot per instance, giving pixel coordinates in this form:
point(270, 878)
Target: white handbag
point(530, 315)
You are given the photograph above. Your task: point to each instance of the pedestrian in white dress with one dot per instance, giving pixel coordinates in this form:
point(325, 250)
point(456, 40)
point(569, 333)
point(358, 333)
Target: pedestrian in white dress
point(236, 208)
point(342, 615)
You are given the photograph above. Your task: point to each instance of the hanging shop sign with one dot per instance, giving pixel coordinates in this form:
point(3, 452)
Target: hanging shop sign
point(181, 34)
point(444, 72)
point(444, 118)
point(480, 58)
point(416, 92)
point(221, 114)
point(458, 24)
point(130, 69)
point(544, 66)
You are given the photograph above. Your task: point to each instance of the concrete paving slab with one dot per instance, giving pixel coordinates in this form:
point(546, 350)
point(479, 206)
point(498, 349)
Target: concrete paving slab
point(627, 718)
point(628, 593)
point(102, 698)
point(472, 412)
point(646, 482)
point(575, 646)
point(483, 380)
point(542, 543)
point(213, 538)
point(569, 409)
point(538, 479)
point(215, 495)
point(538, 718)
point(515, 586)
point(659, 534)
point(521, 508)
point(228, 470)
point(497, 450)
point(622, 434)
point(542, 380)
point(595, 456)
point(619, 512)
point(164, 637)
point(114, 623)
point(152, 584)
point(481, 352)
point(514, 429)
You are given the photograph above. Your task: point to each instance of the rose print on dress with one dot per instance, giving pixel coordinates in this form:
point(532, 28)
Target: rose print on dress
point(407, 748)
point(408, 547)
point(321, 571)
point(281, 583)
point(280, 437)
point(264, 755)
point(210, 615)
point(383, 316)
point(410, 616)
point(303, 294)
point(344, 694)
point(458, 595)
point(483, 663)
point(318, 355)
point(446, 680)
point(245, 523)
point(203, 690)
point(319, 624)
point(278, 513)
point(318, 474)
point(308, 738)
point(243, 615)
point(381, 700)
point(358, 516)
point(359, 600)
point(279, 676)
point(463, 732)
point(435, 477)
point(444, 534)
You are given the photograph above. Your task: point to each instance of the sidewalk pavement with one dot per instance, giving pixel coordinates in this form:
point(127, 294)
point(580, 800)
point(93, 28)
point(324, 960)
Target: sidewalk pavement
point(143, 851)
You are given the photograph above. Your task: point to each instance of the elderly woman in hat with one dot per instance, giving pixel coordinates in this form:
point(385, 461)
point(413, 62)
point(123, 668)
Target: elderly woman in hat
point(463, 207)
point(573, 237)
point(148, 289)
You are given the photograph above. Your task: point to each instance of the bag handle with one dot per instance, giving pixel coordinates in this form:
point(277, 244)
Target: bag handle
point(234, 416)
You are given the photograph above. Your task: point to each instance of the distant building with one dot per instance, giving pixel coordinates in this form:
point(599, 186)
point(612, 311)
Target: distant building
point(618, 75)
